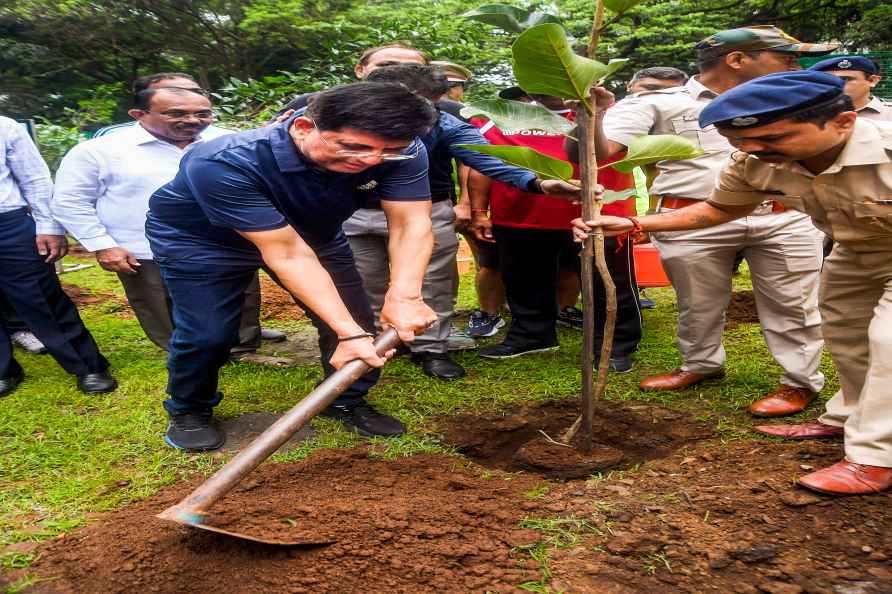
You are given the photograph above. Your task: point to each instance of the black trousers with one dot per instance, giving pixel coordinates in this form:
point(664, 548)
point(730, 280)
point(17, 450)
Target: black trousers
point(32, 288)
point(9, 318)
point(530, 260)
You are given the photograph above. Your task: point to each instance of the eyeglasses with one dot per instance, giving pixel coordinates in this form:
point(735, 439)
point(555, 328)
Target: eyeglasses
point(458, 83)
point(366, 154)
point(176, 114)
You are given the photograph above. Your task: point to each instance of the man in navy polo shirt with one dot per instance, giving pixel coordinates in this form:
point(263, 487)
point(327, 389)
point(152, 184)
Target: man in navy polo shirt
point(276, 197)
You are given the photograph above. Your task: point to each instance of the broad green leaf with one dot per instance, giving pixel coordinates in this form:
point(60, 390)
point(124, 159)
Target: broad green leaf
point(517, 115)
point(611, 196)
point(644, 150)
point(611, 67)
point(544, 62)
point(543, 166)
point(510, 18)
point(620, 6)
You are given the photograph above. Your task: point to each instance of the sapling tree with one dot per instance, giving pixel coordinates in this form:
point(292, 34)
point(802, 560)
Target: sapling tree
point(544, 62)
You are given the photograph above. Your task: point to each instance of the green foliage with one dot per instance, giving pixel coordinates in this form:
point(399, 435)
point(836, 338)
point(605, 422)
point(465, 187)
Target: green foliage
point(545, 63)
point(510, 18)
point(517, 115)
point(542, 165)
point(611, 196)
point(55, 140)
point(620, 6)
point(644, 150)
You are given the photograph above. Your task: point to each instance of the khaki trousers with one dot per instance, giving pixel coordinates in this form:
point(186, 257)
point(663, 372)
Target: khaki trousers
point(856, 304)
point(367, 233)
point(783, 251)
point(150, 301)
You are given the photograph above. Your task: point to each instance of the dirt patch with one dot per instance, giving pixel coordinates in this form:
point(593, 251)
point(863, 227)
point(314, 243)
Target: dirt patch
point(741, 309)
point(302, 345)
point(637, 430)
point(81, 297)
point(418, 524)
point(725, 518)
point(552, 459)
point(243, 429)
point(276, 303)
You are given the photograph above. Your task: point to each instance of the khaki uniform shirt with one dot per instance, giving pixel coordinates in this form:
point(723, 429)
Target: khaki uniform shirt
point(851, 201)
point(673, 111)
point(876, 109)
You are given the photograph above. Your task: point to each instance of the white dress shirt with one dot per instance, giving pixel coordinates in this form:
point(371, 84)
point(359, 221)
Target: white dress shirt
point(24, 177)
point(103, 187)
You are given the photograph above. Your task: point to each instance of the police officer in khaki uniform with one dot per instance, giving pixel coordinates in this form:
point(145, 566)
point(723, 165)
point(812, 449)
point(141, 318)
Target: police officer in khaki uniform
point(861, 76)
point(782, 247)
point(802, 143)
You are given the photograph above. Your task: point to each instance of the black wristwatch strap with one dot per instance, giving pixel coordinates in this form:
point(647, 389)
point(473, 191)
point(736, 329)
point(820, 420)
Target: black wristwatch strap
point(356, 337)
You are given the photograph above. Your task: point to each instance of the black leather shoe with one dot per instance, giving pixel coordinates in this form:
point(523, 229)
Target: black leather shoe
point(96, 383)
point(365, 420)
point(194, 432)
point(9, 384)
point(439, 365)
point(270, 335)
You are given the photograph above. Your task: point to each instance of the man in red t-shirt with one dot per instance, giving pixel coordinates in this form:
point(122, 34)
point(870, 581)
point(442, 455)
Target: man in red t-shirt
point(533, 239)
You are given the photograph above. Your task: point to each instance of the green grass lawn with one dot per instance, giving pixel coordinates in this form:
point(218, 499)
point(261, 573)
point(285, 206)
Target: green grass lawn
point(64, 455)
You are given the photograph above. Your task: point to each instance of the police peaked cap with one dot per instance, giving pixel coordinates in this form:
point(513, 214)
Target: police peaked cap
point(771, 98)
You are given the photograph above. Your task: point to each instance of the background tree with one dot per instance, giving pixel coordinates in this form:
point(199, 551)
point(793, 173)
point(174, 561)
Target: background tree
point(55, 53)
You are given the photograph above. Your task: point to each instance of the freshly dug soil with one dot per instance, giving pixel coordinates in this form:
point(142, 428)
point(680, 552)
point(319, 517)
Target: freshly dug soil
point(556, 460)
point(418, 524)
point(725, 517)
point(277, 303)
point(512, 439)
point(741, 309)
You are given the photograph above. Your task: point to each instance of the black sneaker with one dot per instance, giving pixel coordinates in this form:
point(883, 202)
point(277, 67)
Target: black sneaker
point(365, 420)
point(507, 351)
point(194, 432)
point(570, 317)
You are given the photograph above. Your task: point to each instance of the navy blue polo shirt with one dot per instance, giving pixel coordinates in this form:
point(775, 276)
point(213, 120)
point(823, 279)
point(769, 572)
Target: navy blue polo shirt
point(258, 181)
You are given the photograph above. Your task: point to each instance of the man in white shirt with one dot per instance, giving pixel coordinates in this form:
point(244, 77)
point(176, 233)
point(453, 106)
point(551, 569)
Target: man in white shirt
point(30, 241)
point(102, 193)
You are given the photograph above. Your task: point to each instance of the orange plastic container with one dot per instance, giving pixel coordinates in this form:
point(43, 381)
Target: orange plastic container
point(648, 268)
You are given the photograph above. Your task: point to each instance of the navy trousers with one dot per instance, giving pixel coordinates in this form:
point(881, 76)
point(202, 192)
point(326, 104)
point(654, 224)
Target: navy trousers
point(31, 286)
point(207, 302)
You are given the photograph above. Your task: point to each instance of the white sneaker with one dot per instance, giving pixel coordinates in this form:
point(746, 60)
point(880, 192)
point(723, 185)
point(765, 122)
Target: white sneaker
point(28, 341)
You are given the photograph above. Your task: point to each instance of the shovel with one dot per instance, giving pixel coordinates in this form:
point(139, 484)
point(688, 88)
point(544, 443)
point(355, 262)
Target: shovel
point(193, 510)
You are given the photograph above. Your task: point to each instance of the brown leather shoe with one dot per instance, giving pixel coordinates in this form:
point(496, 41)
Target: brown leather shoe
point(848, 478)
point(812, 430)
point(676, 380)
point(783, 402)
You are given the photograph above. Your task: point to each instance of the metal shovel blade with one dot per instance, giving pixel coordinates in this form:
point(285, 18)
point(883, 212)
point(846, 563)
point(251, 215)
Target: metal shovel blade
point(194, 520)
point(192, 511)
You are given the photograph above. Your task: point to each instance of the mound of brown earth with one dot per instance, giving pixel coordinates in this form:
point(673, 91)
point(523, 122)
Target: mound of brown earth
point(516, 438)
point(726, 517)
point(418, 524)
